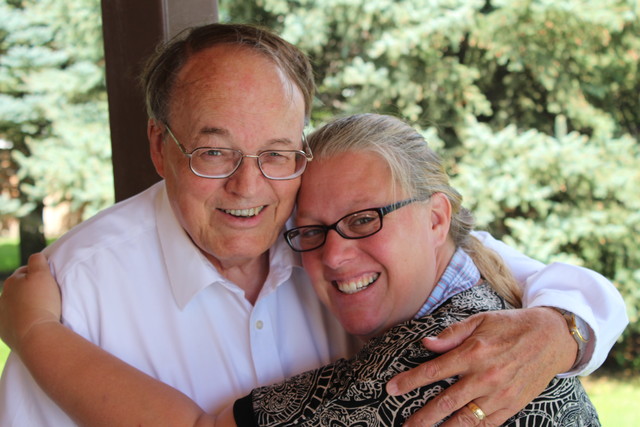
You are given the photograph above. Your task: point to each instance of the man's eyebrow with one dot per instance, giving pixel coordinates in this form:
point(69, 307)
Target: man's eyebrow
point(285, 141)
point(215, 131)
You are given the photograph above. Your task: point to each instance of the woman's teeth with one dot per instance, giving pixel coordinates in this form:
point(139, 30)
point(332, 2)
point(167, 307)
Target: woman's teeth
point(244, 212)
point(358, 285)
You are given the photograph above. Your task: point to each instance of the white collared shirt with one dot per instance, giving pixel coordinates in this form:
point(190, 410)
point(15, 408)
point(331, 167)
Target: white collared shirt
point(133, 283)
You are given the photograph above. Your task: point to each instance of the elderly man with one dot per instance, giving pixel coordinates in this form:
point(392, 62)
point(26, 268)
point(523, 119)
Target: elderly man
point(191, 282)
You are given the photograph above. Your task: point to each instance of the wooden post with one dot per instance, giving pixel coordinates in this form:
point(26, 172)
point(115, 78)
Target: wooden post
point(132, 29)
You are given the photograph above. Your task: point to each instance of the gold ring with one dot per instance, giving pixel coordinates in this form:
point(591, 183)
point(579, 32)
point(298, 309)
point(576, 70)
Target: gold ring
point(476, 411)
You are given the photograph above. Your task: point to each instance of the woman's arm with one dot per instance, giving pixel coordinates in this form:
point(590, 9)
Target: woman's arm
point(92, 386)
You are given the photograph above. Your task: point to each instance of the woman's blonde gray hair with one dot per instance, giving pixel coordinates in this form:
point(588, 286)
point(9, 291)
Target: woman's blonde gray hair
point(419, 172)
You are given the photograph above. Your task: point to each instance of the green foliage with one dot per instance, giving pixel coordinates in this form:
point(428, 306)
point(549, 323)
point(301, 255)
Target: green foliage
point(53, 103)
point(516, 62)
point(9, 256)
point(614, 398)
point(565, 197)
point(4, 354)
point(534, 101)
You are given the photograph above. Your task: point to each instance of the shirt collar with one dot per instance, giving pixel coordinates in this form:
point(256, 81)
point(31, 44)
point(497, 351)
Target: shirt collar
point(189, 271)
point(282, 260)
point(461, 274)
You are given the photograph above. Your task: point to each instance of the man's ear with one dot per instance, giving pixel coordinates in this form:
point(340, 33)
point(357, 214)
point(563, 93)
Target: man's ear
point(155, 134)
point(440, 216)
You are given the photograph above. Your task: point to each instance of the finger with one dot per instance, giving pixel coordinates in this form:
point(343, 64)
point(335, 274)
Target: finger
point(452, 336)
point(444, 366)
point(466, 417)
point(496, 404)
point(20, 271)
point(470, 414)
point(451, 400)
point(37, 263)
point(421, 375)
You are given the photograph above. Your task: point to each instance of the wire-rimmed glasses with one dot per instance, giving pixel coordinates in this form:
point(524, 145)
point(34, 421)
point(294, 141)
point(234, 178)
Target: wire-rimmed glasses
point(356, 225)
point(218, 162)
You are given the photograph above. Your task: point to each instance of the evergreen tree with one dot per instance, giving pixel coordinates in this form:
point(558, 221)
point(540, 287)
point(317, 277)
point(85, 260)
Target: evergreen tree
point(53, 110)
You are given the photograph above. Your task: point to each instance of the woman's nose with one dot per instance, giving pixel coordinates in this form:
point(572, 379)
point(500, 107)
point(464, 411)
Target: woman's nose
point(337, 250)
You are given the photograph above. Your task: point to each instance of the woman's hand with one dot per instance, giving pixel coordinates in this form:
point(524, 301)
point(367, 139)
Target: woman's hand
point(504, 358)
point(30, 297)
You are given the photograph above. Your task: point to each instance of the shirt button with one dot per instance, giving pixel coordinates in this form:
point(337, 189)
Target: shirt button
point(259, 324)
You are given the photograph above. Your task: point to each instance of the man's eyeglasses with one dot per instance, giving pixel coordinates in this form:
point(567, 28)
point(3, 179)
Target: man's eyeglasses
point(356, 225)
point(216, 162)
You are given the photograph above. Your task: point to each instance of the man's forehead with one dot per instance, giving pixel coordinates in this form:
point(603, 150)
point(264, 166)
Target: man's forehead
point(226, 72)
point(226, 58)
point(238, 91)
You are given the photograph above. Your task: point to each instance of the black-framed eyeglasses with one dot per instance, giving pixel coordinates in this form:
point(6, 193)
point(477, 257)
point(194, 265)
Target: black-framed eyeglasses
point(218, 162)
point(356, 225)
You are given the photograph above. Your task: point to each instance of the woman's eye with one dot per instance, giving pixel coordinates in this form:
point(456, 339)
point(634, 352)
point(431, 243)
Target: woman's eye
point(362, 220)
point(310, 233)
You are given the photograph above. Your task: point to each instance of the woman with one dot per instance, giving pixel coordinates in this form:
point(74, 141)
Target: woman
point(395, 284)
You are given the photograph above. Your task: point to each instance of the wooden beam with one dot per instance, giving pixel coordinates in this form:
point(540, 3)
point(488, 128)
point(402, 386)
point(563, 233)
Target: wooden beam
point(131, 31)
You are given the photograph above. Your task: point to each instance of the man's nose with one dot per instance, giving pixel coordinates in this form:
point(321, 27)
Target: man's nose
point(246, 180)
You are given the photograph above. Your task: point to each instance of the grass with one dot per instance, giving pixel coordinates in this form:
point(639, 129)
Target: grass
point(4, 353)
point(615, 398)
point(9, 255)
point(9, 261)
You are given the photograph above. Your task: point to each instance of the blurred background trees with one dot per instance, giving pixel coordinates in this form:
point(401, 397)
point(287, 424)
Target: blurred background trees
point(535, 105)
point(53, 113)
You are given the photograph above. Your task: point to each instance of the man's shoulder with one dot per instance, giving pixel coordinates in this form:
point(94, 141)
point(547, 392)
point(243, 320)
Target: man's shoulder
point(114, 227)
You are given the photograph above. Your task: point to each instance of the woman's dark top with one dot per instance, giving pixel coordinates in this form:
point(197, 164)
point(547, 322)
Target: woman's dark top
point(352, 392)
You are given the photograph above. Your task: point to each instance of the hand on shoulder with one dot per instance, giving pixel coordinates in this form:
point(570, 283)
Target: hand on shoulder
point(30, 297)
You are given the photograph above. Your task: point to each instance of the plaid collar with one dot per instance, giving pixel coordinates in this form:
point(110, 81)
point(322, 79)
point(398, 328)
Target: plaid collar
point(461, 274)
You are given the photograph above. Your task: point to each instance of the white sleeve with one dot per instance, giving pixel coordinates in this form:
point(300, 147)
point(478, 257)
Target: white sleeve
point(583, 292)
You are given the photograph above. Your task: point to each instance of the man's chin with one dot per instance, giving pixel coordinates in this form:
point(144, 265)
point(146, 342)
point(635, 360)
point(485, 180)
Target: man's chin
point(238, 249)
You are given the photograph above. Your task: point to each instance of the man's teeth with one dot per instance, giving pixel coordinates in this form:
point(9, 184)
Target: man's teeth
point(244, 212)
point(357, 285)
